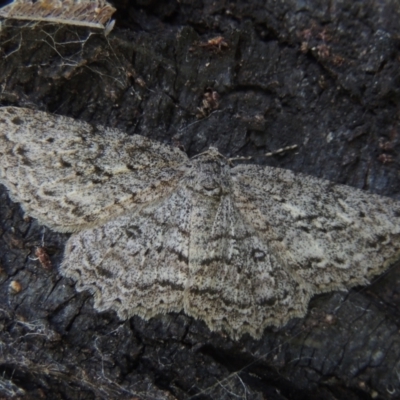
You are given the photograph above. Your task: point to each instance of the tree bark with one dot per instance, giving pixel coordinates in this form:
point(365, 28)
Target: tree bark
point(248, 78)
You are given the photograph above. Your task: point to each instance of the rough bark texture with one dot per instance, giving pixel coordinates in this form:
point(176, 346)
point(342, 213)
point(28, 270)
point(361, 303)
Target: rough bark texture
point(322, 75)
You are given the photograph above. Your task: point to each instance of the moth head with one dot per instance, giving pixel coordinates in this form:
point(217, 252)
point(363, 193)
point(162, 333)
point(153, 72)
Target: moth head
point(210, 173)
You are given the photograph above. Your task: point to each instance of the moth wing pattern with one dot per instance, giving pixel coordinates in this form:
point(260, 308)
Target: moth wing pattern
point(331, 236)
point(137, 263)
point(71, 175)
point(236, 283)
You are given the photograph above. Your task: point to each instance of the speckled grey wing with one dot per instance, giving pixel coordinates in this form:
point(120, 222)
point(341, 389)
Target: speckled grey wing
point(136, 264)
point(71, 175)
point(236, 283)
point(332, 236)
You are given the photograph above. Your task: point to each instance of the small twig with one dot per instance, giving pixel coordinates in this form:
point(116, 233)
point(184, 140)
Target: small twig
point(282, 150)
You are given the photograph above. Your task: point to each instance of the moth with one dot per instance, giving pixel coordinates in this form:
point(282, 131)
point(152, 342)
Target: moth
point(240, 247)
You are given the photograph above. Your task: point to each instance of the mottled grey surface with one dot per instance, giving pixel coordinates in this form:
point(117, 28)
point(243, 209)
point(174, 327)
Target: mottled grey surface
point(241, 247)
